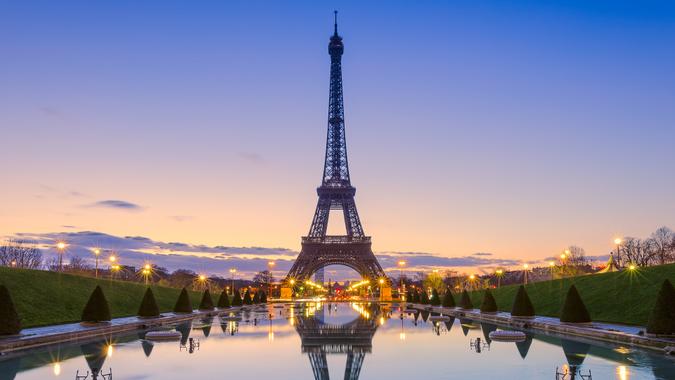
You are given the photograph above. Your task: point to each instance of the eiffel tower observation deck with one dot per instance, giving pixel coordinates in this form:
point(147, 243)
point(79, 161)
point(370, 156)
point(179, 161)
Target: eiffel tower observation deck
point(336, 193)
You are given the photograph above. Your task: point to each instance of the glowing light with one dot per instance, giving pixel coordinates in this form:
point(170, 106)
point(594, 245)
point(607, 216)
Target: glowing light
point(632, 267)
point(110, 350)
point(292, 281)
point(233, 270)
point(435, 270)
point(622, 372)
point(146, 272)
point(202, 277)
point(97, 251)
point(112, 259)
point(381, 321)
point(270, 336)
point(401, 263)
point(525, 266)
point(271, 263)
point(13, 263)
point(563, 256)
point(147, 267)
point(567, 252)
point(472, 277)
point(115, 267)
point(381, 281)
point(499, 271)
point(401, 336)
point(61, 245)
point(57, 369)
point(618, 241)
point(551, 264)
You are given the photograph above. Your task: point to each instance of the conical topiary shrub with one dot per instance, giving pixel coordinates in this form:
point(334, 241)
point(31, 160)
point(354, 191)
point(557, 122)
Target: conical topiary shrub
point(183, 304)
point(236, 299)
point(424, 298)
point(435, 298)
point(522, 306)
point(148, 308)
point(96, 309)
point(256, 297)
point(206, 302)
point(415, 296)
point(224, 300)
point(263, 297)
point(448, 299)
point(574, 310)
point(489, 304)
point(408, 296)
point(10, 323)
point(662, 318)
point(465, 301)
point(247, 297)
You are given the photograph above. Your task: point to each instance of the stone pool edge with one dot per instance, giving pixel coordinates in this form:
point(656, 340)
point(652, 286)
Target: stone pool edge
point(502, 318)
point(27, 341)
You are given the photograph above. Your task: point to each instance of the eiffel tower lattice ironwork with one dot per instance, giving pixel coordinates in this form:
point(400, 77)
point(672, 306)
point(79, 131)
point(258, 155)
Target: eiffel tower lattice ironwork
point(336, 193)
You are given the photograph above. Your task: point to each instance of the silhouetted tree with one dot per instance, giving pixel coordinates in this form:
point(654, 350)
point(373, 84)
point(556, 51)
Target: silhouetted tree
point(10, 323)
point(574, 310)
point(662, 318)
point(489, 304)
point(224, 300)
point(465, 301)
point(448, 299)
point(206, 302)
point(522, 305)
point(148, 306)
point(183, 304)
point(236, 300)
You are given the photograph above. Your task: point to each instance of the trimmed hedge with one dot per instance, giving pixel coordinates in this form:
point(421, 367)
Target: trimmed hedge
point(465, 301)
point(224, 300)
point(662, 318)
point(183, 304)
point(96, 309)
point(263, 297)
point(574, 310)
point(236, 299)
point(448, 299)
point(247, 297)
point(522, 306)
point(424, 298)
point(206, 302)
point(10, 323)
point(148, 306)
point(435, 298)
point(489, 305)
point(256, 297)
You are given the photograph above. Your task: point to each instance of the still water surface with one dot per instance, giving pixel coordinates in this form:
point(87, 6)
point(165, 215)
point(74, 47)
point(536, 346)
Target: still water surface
point(343, 340)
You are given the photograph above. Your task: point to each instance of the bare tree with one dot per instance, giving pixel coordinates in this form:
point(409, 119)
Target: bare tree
point(78, 265)
point(20, 254)
point(662, 240)
point(575, 261)
point(639, 252)
point(264, 278)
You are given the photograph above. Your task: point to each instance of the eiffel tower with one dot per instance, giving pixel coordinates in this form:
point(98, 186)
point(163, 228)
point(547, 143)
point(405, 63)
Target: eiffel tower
point(336, 193)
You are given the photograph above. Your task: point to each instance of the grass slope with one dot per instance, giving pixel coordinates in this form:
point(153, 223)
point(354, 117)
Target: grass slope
point(620, 297)
point(47, 298)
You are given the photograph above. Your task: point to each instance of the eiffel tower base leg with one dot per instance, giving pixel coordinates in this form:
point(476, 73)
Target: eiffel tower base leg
point(354, 253)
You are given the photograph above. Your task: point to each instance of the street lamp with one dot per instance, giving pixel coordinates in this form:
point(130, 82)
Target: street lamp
point(525, 266)
point(471, 278)
point(97, 252)
point(552, 265)
point(617, 243)
point(270, 265)
point(401, 265)
point(499, 273)
point(202, 280)
point(233, 271)
point(61, 247)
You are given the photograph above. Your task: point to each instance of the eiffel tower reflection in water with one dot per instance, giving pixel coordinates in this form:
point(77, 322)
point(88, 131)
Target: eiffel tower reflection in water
point(353, 338)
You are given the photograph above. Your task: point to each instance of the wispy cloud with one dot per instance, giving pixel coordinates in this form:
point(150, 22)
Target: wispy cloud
point(251, 157)
point(181, 218)
point(116, 204)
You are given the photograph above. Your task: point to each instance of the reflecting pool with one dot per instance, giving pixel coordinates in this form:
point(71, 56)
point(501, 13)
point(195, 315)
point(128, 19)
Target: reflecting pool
point(338, 340)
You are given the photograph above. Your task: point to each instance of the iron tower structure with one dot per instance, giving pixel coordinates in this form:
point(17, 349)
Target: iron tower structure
point(336, 193)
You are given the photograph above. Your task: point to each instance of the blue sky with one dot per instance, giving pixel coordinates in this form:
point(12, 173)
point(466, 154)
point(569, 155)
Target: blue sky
point(510, 127)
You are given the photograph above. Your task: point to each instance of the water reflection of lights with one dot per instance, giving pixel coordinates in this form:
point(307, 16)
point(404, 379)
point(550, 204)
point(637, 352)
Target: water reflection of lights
point(401, 335)
point(622, 372)
point(57, 369)
point(381, 321)
point(361, 310)
point(110, 350)
point(270, 336)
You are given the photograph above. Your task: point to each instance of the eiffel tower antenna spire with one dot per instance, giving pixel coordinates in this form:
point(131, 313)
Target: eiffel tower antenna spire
point(335, 12)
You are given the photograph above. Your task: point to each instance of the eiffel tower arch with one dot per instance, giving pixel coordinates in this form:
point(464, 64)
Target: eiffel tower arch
point(336, 193)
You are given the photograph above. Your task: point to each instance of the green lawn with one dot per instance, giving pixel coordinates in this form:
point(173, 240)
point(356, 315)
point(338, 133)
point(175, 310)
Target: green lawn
point(47, 298)
point(621, 297)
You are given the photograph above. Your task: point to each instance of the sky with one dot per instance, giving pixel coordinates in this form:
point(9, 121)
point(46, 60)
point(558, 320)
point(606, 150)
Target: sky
point(508, 128)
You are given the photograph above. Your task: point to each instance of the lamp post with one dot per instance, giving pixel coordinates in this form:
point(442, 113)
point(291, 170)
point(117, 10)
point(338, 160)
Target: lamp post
point(270, 265)
point(563, 260)
point(233, 271)
point(202, 282)
point(113, 266)
point(525, 266)
point(61, 247)
point(551, 264)
point(147, 270)
point(617, 243)
point(472, 277)
point(97, 252)
point(401, 265)
point(499, 273)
